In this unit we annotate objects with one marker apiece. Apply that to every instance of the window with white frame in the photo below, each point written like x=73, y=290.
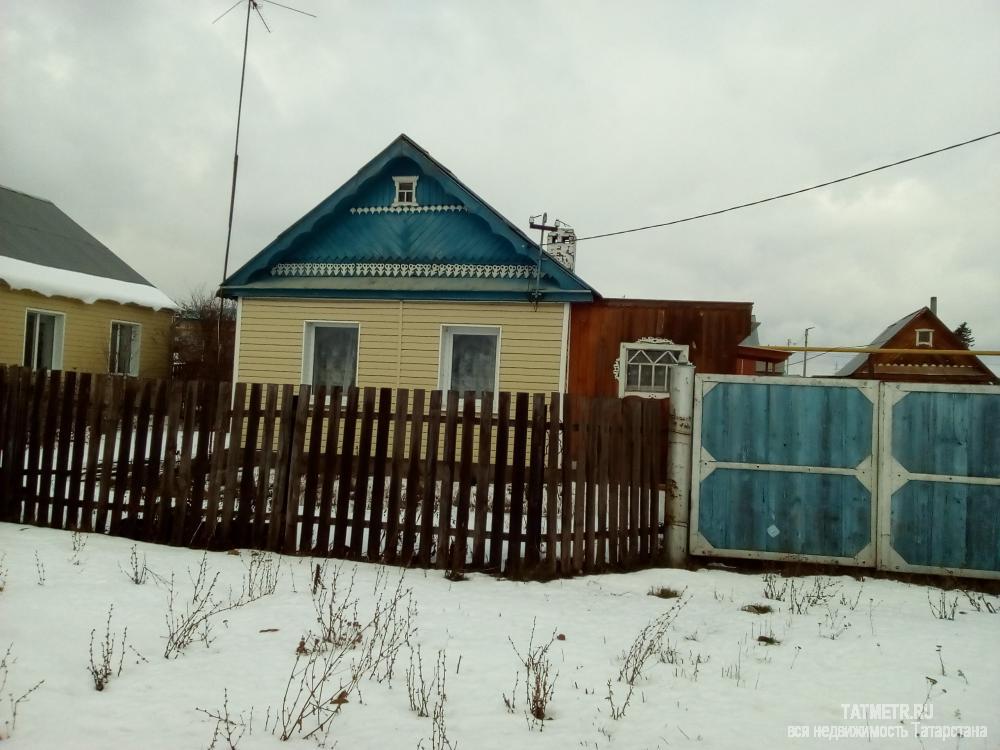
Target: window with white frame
x=124, y=349
x=470, y=358
x=925, y=337
x=406, y=191
x=330, y=354
x=643, y=367
x=43, y=340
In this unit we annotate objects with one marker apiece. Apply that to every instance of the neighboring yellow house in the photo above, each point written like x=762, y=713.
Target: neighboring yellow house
x=404, y=277
x=68, y=303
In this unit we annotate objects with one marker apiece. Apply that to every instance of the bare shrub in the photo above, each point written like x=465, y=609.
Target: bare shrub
x=539, y=678
x=39, y=569
x=802, y=596
x=439, y=731
x=260, y=579
x=3, y=571
x=336, y=608
x=229, y=730
x=417, y=687
x=102, y=669
x=647, y=644
x=834, y=624
x=328, y=669
x=137, y=570
x=194, y=622
x=774, y=588
x=942, y=609
x=977, y=600
x=8, y=718
x=79, y=542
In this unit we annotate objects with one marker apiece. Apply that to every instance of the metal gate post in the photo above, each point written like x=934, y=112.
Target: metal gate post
x=681, y=416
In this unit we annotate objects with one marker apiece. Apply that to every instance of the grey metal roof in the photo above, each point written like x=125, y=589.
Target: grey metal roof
x=855, y=362
x=34, y=230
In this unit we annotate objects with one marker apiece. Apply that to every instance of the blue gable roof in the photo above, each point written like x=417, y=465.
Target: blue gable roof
x=451, y=245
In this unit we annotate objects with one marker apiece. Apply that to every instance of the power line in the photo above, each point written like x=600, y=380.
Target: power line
x=790, y=193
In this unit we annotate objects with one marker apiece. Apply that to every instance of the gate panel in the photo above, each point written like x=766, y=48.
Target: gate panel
x=939, y=462
x=784, y=469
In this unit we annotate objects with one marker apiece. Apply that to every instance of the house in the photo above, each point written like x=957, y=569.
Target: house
x=68, y=303
x=623, y=347
x=404, y=277
x=752, y=359
x=920, y=331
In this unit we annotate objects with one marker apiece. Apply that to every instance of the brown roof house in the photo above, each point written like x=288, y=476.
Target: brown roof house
x=920, y=330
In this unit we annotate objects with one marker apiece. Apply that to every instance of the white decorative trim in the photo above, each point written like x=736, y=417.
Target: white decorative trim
x=405, y=209
x=448, y=270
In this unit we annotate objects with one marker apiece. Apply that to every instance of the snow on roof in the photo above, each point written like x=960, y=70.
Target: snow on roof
x=51, y=282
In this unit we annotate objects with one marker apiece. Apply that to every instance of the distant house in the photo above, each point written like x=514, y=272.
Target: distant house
x=921, y=331
x=752, y=359
x=404, y=277
x=68, y=303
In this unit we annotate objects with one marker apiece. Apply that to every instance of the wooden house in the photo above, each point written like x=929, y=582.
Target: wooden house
x=624, y=347
x=404, y=277
x=921, y=331
x=68, y=303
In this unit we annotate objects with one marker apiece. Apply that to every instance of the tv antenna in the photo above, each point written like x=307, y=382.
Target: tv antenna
x=253, y=6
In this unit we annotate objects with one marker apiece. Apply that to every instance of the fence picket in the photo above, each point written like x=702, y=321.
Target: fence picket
x=296, y=466
x=378, y=473
x=517, y=477
x=183, y=474
x=76, y=467
x=396, y=479
x=112, y=416
x=329, y=471
x=447, y=466
x=350, y=422
x=483, y=479
x=360, y=508
x=62, y=462
x=233, y=455
x=313, y=456
x=265, y=487
x=461, y=543
x=415, y=492
x=217, y=462
x=536, y=485
x=247, y=490
x=159, y=409
x=286, y=427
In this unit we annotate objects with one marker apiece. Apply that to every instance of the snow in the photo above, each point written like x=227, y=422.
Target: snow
x=884, y=651
x=51, y=282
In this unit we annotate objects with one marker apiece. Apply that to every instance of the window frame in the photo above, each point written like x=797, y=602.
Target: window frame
x=308, y=344
x=395, y=198
x=136, y=346
x=59, y=337
x=681, y=351
x=930, y=337
x=448, y=330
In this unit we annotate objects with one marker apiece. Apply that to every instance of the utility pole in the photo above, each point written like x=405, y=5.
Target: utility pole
x=805, y=354
x=543, y=228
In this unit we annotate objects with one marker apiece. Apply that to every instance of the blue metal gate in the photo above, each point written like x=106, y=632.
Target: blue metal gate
x=784, y=469
x=939, y=479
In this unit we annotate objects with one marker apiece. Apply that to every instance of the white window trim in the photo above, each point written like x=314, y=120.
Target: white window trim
x=137, y=347
x=449, y=329
x=307, y=348
x=395, y=196
x=58, y=344
x=930, y=337
x=622, y=365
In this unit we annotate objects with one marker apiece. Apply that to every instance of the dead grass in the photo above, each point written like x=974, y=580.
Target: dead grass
x=757, y=609
x=664, y=592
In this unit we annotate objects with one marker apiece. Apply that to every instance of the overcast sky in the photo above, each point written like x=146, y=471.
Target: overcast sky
x=606, y=115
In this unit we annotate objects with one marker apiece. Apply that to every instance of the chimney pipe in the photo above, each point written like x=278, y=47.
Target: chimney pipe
x=934, y=305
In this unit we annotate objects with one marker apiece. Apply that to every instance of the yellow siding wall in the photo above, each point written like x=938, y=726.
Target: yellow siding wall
x=87, y=331
x=400, y=341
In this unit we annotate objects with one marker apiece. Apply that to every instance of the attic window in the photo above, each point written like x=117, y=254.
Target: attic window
x=925, y=337
x=406, y=191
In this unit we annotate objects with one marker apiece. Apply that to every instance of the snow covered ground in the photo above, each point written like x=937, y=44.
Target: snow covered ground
x=873, y=646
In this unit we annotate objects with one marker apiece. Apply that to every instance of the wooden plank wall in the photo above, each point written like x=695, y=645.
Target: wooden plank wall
x=403, y=477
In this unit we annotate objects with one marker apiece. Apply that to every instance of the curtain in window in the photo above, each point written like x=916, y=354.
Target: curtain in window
x=473, y=362
x=335, y=356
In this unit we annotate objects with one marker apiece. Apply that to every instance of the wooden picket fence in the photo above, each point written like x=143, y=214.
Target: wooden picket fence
x=528, y=485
